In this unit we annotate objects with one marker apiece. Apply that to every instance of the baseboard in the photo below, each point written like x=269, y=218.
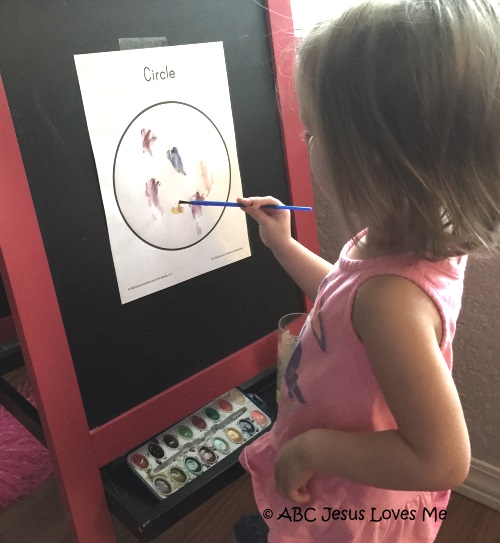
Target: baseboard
x=482, y=484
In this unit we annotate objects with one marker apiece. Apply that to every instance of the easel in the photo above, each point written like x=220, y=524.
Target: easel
x=75, y=449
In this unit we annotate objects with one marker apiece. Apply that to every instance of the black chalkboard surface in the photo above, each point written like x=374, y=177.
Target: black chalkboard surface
x=125, y=354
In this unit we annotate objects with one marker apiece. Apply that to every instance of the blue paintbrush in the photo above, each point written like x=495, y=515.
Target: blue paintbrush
x=235, y=204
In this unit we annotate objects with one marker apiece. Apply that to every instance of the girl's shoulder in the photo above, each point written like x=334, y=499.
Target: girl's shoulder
x=393, y=298
x=357, y=256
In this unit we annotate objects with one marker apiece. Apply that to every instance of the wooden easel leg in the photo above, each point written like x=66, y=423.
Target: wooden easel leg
x=37, y=319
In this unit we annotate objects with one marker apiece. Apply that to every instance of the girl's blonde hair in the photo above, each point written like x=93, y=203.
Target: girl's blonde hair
x=403, y=99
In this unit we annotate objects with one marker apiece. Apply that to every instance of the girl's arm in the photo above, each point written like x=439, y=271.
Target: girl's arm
x=304, y=267
x=401, y=329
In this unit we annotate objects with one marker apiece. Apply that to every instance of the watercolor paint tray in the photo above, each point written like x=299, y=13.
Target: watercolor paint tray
x=144, y=513
x=194, y=445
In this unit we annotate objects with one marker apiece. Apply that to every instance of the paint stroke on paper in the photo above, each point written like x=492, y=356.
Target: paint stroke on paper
x=159, y=135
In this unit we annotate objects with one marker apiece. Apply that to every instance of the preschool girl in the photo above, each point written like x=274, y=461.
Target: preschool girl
x=401, y=105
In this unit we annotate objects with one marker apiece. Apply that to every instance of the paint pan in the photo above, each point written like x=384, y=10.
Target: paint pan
x=178, y=475
x=185, y=432
x=224, y=405
x=212, y=413
x=259, y=418
x=156, y=450
x=171, y=441
x=234, y=435
x=139, y=461
x=193, y=465
x=221, y=445
x=198, y=422
x=207, y=455
x=237, y=396
x=247, y=427
x=162, y=486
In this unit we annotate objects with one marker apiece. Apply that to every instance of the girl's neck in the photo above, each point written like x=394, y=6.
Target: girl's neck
x=367, y=247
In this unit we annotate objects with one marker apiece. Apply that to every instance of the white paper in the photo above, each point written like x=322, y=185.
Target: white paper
x=161, y=129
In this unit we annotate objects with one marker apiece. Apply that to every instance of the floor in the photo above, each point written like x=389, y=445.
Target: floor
x=41, y=519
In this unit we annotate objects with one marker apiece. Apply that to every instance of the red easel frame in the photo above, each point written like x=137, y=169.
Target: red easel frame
x=75, y=449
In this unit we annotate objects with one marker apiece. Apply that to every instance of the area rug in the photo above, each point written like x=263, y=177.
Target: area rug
x=24, y=461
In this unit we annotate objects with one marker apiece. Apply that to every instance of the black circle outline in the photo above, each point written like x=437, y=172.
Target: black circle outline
x=114, y=178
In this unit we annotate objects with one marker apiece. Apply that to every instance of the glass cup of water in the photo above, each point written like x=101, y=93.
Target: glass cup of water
x=289, y=327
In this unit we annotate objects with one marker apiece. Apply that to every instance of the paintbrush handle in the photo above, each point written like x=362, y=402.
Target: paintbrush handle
x=235, y=204
x=211, y=203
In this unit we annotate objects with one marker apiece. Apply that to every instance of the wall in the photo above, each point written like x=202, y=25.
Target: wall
x=477, y=357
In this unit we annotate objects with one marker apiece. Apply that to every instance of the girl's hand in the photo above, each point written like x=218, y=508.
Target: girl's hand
x=291, y=471
x=274, y=224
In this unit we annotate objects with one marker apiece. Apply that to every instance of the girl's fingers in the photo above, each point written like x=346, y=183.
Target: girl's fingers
x=256, y=202
x=302, y=495
x=253, y=208
x=274, y=224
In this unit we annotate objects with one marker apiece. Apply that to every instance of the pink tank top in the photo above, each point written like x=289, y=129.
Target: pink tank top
x=329, y=383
